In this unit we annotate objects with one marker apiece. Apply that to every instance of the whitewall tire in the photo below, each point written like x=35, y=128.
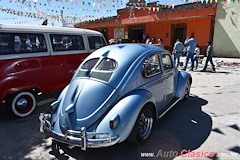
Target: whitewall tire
x=23, y=104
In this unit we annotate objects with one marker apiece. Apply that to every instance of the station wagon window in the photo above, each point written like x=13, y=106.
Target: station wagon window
x=167, y=61
x=90, y=64
x=14, y=43
x=152, y=66
x=96, y=42
x=66, y=42
x=107, y=64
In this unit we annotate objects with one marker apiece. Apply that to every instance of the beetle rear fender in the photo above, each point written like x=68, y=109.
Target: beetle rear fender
x=183, y=77
x=128, y=109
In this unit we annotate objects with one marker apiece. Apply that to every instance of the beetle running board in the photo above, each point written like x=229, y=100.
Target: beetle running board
x=165, y=110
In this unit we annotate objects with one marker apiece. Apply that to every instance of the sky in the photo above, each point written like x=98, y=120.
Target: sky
x=34, y=12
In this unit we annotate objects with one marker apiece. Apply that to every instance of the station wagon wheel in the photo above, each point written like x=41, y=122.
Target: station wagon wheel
x=187, y=90
x=22, y=104
x=143, y=126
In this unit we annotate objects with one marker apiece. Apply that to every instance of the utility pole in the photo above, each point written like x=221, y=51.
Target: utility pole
x=63, y=21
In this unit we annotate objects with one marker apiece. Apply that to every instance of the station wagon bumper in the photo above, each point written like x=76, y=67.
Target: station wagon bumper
x=76, y=138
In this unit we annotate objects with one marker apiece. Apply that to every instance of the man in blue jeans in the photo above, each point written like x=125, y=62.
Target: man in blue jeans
x=177, y=51
x=209, y=56
x=191, y=45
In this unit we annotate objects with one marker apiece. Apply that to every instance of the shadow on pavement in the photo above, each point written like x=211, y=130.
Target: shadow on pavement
x=217, y=72
x=184, y=127
x=19, y=136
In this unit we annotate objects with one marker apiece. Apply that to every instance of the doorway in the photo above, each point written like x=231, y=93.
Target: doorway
x=178, y=31
x=104, y=31
x=136, y=32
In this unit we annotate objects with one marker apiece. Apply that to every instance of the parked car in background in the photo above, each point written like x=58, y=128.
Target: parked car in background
x=39, y=59
x=116, y=94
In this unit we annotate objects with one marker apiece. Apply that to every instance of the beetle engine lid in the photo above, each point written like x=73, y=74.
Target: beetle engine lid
x=86, y=101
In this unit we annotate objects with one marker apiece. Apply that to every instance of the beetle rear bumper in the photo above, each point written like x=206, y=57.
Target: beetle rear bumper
x=77, y=138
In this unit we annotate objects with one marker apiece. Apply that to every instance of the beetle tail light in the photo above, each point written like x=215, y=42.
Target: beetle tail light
x=54, y=106
x=113, y=123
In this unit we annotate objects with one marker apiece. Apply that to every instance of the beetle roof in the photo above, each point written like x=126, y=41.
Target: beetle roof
x=127, y=56
x=124, y=52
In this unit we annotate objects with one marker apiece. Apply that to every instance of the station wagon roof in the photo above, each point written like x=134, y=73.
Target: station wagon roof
x=45, y=29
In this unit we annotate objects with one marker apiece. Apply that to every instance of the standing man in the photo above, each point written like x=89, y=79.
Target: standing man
x=147, y=39
x=209, y=56
x=177, y=51
x=191, y=45
x=160, y=43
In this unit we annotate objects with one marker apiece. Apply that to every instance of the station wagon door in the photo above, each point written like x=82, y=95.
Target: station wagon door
x=169, y=72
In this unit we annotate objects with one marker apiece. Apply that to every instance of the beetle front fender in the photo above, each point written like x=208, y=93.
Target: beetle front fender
x=183, y=77
x=128, y=109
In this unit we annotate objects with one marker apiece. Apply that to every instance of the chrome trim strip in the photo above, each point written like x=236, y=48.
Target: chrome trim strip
x=169, y=108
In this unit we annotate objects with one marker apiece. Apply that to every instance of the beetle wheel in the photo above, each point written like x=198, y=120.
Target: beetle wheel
x=143, y=126
x=22, y=104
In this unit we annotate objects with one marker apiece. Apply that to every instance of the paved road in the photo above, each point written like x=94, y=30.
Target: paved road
x=208, y=122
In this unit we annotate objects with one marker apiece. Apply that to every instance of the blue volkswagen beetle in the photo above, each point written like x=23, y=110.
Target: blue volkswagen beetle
x=116, y=94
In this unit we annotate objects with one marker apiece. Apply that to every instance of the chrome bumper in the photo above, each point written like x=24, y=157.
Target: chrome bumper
x=70, y=136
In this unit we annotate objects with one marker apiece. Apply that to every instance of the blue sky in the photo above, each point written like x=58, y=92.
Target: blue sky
x=24, y=11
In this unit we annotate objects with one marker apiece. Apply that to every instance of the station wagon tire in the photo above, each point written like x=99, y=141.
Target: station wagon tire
x=143, y=126
x=22, y=104
x=187, y=90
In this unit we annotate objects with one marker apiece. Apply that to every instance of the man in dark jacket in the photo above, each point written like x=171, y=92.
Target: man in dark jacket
x=209, y=56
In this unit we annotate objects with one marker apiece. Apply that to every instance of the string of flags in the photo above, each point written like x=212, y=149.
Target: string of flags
x=55, y=11
x=60, y=11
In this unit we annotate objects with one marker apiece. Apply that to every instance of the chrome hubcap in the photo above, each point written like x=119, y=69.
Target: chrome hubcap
x=22, y=103
x=145, y=124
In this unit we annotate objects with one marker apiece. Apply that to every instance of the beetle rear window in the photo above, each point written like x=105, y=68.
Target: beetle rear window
x=90, y=63
x=107, y=64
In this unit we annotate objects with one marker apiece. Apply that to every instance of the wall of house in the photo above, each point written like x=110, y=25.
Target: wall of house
x=226, y=42
x=159, y=24
x=199, y=26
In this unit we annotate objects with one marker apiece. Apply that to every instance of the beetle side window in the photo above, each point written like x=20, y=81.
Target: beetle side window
x=152, y=66
x=90, y=64
x=66, y=42
x=167, y=61
x=107, y=64
x=96, y=42
x=14, y=43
